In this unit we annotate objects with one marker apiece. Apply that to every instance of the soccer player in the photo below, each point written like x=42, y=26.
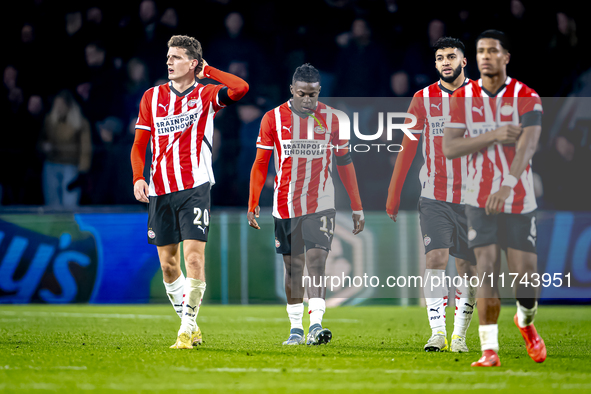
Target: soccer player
x=303, y=139
x=497, y=122
x=441, y=205
x=178, y=116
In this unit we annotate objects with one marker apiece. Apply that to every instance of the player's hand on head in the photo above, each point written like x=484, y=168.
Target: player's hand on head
x=141, y=191
x=251, y=218
x=358, y=222
x=496, y=201
x=201, y=73
x=508, y=134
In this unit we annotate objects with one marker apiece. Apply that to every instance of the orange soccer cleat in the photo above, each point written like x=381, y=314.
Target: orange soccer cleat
x=489, y=358
x=536, y=348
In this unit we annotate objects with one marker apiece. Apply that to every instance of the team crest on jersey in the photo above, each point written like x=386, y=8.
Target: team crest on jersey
x=151, y=234
x=319, y=130
x=427, y=240
x=192, y=102
x=506, y=109
x=277, y=243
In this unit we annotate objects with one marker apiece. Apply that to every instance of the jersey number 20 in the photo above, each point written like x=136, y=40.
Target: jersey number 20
x=199, y=214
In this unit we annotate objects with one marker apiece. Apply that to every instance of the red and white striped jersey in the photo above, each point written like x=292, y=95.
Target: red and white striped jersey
x=441, y=179
x=478, y=111
x=303, y=159
x=181, y=128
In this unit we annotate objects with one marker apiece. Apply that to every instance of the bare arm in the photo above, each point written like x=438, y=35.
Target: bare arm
x=525, y=149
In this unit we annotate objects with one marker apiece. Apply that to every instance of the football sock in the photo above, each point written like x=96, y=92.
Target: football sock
x=489, y=337
x=465, y=304
x=525, y=316
x=295, y=312
x=194, y=289
x=174, y=291
x=436, y=300
x=316, y=308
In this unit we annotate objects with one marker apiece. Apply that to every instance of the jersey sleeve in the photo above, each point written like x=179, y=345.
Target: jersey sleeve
x=457, y=110
x=144, y=119
x=214, y=96
x=529, y=101
x=417, y=108
x=529, y=107
x=265, y=139
x=233, y=87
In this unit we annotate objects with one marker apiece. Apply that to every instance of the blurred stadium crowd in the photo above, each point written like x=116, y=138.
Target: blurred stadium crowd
x=74, y=74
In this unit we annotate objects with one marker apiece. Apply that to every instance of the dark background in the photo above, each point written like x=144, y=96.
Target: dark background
x=106, y=54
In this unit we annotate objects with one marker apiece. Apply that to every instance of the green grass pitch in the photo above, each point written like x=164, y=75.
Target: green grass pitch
x=374, y=349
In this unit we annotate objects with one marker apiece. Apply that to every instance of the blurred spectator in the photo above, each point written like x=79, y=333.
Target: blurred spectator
x=250, y=116
x=167, y=27
x=22, y=118
x=400, y=84
x=361, y=66
x=110, y=176
x=32, y=192
x=564, y=45
x=148, y=17
x=27, y=61
x=419, y=59
x=94, y=29
x=564, y=169
x=73, y=23
x=137, y=83
x=66, y=143
x=239, y=55
x=102, y=89
x=436, y=31
x=226, y=147
x=149, y=45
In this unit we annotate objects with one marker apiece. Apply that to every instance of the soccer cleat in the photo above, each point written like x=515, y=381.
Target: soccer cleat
x=183, y=342
x=489, y=358
x=458, y=344
x=437, y=343
x=318, y=335
x=296, y=337
x=196, y=337
x=536, y=348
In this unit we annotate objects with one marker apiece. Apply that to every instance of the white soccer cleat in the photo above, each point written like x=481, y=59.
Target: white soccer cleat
x=295, y=339
x=437, y=343
x=458, y=344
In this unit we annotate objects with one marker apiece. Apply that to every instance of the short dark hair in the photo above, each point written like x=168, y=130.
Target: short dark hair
x=449, y=42
x=497, y=35
x=191, y=46
x=306, y=73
